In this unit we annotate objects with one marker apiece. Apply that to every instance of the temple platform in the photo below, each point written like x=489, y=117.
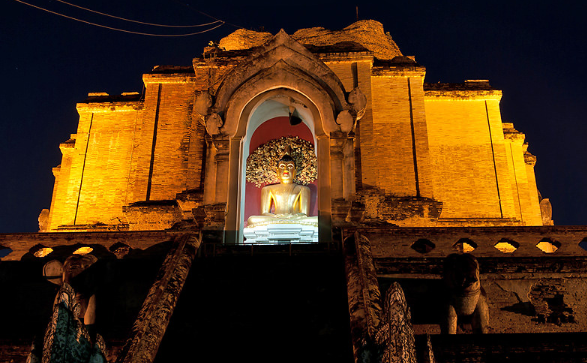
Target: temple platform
x=281, y=233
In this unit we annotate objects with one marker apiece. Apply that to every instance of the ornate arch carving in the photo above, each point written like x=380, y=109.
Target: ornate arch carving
x=280, y=76
x=292, y=57
x=281, y=67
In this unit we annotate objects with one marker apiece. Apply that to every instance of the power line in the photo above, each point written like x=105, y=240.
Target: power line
x=117, y=29
x=136, y=21
x=208, y=15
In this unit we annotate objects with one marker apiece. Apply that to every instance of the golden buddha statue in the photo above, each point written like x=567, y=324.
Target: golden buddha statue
x=291, y=201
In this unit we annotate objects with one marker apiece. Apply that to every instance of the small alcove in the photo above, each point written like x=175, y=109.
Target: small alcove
x=548, y=245
x=506, y=245
x=465, y=245
x=423, y=246
x=277, y=114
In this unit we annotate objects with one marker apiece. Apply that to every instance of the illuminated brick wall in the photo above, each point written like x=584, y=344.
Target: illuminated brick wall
x=92, y=182
x=179, y=141
x=478, y=173
x=443, y=142
x=390, y=162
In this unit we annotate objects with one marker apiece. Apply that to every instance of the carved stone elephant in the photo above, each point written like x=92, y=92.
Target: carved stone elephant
x=465, y=297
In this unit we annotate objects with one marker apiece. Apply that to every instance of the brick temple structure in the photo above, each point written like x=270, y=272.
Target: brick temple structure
x=407, y=174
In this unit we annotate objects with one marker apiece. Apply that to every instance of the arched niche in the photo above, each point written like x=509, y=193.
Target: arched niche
x=281, y=69
x=264, y=127
x=267, y=107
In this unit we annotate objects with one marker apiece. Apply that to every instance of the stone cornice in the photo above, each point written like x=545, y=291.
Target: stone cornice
x=345, y=57
x=399, y=71
x=106, y=106
x=463, y=95
x=514, y=135
x=163, y=78
x=69, y=144
x=529, y=159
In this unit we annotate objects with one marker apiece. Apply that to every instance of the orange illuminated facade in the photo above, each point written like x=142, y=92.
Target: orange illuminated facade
x=147, y=161
x=421, y=198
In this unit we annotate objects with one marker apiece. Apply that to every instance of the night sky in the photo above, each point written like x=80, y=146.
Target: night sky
x=534, y=51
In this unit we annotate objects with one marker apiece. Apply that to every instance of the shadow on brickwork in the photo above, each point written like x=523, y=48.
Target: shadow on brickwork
x=261, y=309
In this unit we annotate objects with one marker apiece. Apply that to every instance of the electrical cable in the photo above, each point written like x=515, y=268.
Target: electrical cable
x=136, y=21
x=208, y=15
x=117, y=29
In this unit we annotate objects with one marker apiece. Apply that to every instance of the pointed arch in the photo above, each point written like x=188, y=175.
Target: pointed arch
x=281, y=68
x=282, y=53
x=281, y=76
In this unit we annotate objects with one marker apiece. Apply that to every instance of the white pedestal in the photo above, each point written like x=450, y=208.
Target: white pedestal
x=281, y=233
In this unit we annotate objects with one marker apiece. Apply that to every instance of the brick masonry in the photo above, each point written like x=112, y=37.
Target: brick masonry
x=445, y=142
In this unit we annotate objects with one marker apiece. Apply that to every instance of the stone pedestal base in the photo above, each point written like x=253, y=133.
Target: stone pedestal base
x=281, y=233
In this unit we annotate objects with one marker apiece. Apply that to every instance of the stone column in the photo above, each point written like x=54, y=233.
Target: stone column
x=343, y=174
x=222, y=166
x=210, y=172
x=337, y=142
x=348, y=158
x=232, y=181
x=324, y=196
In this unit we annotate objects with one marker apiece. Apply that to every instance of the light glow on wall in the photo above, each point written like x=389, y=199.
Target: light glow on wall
x=547, y=247
x=467, y=248
x=83, y=251
x=42, y=252
x=505, y=247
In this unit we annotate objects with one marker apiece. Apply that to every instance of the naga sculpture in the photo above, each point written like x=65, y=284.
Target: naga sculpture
x=71, y=335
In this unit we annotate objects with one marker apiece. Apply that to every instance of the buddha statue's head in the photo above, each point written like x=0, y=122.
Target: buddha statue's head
x=286, y=169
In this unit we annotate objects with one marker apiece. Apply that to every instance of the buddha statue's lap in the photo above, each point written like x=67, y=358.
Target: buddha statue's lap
x=291, y=201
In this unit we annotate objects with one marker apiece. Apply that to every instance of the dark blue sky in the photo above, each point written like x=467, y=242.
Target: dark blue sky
x=533, y=51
